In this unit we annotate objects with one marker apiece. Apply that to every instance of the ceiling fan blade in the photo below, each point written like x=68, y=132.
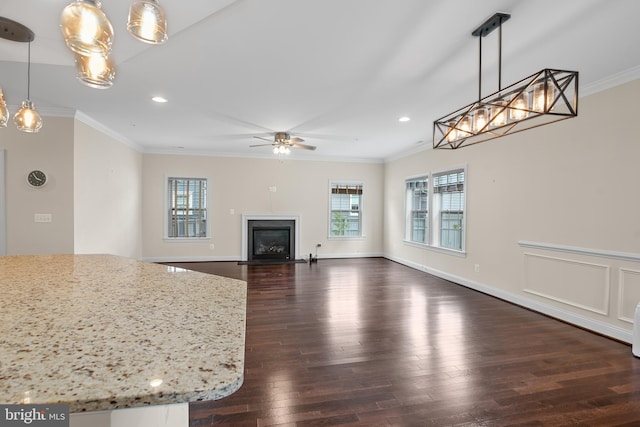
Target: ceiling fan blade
x=295, y=140
x=265, y=139
x=303, y=146
x=260, y=145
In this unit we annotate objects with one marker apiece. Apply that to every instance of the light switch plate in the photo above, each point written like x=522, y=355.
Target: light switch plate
x=42, y=218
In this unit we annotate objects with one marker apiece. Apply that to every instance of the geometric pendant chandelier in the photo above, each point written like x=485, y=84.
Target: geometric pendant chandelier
x=542, y=98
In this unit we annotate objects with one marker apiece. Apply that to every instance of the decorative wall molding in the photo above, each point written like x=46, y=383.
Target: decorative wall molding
x=625, y=256
x=547, y=276
x=628, y=290
x=529, y=303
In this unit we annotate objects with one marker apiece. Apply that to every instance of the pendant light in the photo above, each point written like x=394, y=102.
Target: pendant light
x=545, y=97
x=89, y=34
x=27, y=118
x=86, y=29
x=4, y=112
x=95, y=71
x=147, y=22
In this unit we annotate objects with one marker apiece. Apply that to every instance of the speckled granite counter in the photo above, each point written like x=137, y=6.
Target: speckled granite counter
x=101, y=332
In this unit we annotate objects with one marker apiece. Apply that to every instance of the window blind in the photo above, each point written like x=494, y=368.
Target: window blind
x=187, y=207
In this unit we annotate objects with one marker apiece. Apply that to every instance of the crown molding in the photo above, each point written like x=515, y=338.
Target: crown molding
x=268, y=156
x=47, y=111
x=89, y=121
x=611, y=81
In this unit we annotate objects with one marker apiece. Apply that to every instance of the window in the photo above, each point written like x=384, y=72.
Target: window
x=346, y=210
x=448, y=207
x=417, y=209
x=434, y=209
x=187, y=207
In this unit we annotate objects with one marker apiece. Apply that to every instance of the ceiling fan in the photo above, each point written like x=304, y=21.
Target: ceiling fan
x=283, y=143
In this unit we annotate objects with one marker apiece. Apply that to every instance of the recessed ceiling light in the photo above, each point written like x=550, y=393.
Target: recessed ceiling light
x=159, y=99
x=404, y=119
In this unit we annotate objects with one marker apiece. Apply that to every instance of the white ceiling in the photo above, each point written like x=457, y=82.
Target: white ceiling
x=338, y=73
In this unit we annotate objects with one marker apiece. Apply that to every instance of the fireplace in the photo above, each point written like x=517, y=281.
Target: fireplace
x=270, y=238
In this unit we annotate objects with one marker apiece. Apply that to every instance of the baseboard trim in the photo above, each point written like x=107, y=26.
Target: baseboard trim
x=239, y=258
x=548, y=310
x=191, y=258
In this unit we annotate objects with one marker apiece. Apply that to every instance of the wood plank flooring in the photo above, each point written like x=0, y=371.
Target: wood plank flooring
x=369, y=342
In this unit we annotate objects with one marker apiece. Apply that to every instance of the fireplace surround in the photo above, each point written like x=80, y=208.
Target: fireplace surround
x=270, y=237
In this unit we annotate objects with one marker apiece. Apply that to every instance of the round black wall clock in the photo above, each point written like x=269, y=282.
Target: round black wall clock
x=37, y=178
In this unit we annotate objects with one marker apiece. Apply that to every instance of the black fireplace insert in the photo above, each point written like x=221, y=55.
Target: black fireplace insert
x=271, y=240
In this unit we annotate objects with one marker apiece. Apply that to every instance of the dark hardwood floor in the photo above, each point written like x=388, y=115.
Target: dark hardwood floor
x=369, y=342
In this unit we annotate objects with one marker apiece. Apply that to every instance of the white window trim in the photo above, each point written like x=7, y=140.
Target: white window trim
x=362, y=235
x=404, y=237
x=165, y=221
x=430, y=246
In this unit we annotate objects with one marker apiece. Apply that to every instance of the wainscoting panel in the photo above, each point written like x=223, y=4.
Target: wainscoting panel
x=579, y=284
x=628, y=293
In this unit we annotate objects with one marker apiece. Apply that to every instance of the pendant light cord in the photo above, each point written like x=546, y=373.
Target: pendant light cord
x=500, y=56
x=480, y=70
x=29, y=73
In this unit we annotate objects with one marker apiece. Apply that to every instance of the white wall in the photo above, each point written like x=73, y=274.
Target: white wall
x=243, y=186
x=572, y=184
x=107, y=194
x=50, y=150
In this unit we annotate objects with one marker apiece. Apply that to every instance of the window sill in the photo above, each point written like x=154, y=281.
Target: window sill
x=454, y=252
x=346, y=237
x=186, y=239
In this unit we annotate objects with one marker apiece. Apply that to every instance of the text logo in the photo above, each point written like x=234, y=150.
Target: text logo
x=34, y=415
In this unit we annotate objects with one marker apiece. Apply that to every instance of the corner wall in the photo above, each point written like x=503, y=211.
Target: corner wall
x=51, y=151
x=107, y=194
x=552, y=215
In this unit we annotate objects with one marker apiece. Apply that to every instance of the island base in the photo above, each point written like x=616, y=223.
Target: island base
x=174, y=415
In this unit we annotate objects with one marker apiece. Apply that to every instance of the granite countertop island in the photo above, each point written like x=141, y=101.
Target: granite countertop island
x=101, y=332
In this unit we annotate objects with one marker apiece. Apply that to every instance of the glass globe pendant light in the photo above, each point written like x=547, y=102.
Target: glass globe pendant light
x=86, y=29
x=27, y=118
x=95, y=71
x=4, y=112
x=147, y=22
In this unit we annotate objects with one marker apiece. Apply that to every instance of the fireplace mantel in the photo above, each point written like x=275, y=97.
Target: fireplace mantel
x=246, y=217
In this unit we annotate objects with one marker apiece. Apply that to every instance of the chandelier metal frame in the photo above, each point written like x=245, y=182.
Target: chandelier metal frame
x=545, y=97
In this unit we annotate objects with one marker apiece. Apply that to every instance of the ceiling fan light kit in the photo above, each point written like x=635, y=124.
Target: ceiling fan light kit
x=281, y=149
x=542, y=98
x=283, y=143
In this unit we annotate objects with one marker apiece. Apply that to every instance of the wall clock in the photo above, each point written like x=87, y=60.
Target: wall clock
x=37, y=178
